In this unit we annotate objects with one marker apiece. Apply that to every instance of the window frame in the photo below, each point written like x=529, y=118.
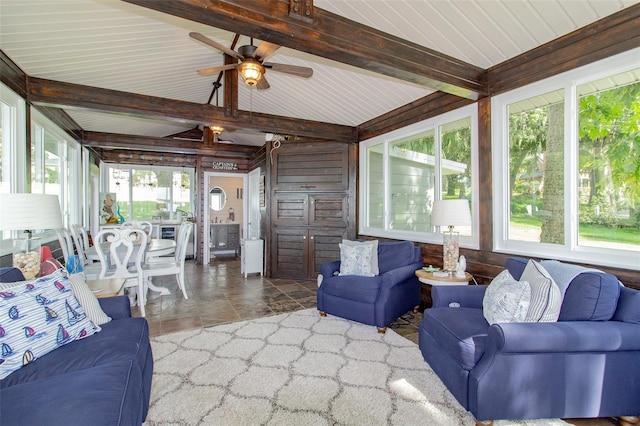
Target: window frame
x=387, y=139
x=568, y=82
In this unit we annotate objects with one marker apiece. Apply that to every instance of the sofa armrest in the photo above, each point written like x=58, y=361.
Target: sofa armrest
x=117, y=307
x=401, y=274
x=565, y=336
x=467, y=296
x=328, y=269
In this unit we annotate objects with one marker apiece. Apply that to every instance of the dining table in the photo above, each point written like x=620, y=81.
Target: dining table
x=155, y=248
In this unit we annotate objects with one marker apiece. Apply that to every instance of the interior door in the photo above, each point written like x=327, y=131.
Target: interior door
x=253, y=204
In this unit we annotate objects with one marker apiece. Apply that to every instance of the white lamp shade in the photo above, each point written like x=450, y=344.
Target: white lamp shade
x=451, y=213
x=26, y=212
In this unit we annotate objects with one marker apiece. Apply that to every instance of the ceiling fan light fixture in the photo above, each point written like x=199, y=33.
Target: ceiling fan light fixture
x=216, y=129
x=251, y=71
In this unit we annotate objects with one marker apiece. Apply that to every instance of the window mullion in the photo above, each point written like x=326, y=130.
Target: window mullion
x=571, y=156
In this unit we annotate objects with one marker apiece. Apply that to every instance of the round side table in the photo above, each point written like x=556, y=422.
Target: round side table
x=428, y=280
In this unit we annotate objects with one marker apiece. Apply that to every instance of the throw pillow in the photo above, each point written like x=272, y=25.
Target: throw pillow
x=88, y=300
x=546, y=299
x=49, y=266
x=374, y=259
x=356, y=260
x=506, y=299
x=36, y=317
x=628, y=306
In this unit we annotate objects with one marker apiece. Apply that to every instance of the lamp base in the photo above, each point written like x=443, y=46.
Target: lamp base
x=26, y=256
x=450, y=250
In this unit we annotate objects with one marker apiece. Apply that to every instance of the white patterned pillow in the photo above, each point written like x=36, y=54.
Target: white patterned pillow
x=506, y=299
x=546, y=298
x=374, y=258
x=356, y=260
x=37, y=317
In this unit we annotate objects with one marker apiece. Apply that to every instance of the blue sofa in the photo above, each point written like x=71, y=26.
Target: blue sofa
x=104, y=379
x=585, y=365
x=377, y=300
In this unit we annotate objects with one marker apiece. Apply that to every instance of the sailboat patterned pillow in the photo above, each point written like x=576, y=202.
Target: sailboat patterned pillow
x=37, y=317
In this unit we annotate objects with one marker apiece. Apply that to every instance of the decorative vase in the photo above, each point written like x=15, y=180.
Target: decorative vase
x=450, y=250
x=26, y=256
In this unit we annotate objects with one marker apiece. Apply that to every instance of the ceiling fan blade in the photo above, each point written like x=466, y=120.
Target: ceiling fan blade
x=206, y=40
x=213, y=70
x=265, y=49
x=290, y=69
x=263, y=84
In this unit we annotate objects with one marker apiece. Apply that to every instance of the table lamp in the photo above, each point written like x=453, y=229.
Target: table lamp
x=27, y=212
x=450, y=213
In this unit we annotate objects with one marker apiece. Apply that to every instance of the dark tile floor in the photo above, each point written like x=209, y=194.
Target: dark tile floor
x=219, y=293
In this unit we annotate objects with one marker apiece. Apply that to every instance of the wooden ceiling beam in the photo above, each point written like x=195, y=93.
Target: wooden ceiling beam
x=167, y=145
x=74, y=96
x=333, y=37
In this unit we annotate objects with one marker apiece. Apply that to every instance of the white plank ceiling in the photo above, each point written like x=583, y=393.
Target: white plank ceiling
x=115, y=45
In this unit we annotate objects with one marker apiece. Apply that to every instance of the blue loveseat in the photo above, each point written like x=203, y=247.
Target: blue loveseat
x=585, y=365
x=377, y=300
x=103, y=379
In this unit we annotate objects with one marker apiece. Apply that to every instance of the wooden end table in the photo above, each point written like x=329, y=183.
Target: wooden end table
x=107, y=287
x=428, y=280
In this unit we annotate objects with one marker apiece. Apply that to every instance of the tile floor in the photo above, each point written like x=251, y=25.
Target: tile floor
x=219, y=293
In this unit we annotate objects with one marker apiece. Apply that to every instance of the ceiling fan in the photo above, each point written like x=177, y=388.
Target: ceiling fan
x=252, y=66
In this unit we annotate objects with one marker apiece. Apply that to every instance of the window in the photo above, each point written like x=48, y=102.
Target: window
x=56, y=167
x=566, y=157
x=402, y=172
x=144, y=192
x=12, y=140
x=12, y=151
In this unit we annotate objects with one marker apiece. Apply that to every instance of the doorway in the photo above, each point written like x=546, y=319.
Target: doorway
x=224, y=220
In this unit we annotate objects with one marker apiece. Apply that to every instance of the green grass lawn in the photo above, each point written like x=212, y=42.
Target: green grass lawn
x=589, y=232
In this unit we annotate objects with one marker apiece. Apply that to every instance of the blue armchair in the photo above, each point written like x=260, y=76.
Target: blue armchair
x=377, y=300
x=584, y=365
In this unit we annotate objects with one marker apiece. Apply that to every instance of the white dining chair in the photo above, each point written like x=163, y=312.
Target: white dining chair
x=66, y=243
x=145, y=225
x=160, y=266
x=81, y=240
x=122, y=257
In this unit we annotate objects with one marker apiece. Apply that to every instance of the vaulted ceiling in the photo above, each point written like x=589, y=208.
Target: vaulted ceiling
x=129, y=67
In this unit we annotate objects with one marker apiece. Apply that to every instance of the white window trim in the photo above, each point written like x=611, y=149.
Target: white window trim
x=570, y=251
x=471, y=242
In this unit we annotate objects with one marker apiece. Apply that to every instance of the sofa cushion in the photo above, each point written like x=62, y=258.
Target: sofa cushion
x=462, y=332
x=119, y=340
x=107, y=395
x=353, y=287
x=392, y=255
x=38, y=317
x=591, y=296
x=374, y=258
x=506, y=299
x=357, y=259
x=545, y=294
x=628, y=309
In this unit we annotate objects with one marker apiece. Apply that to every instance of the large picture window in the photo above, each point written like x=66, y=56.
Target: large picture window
x=144, y=192
x=404, y=171
x=56, y=167
x=567, y=166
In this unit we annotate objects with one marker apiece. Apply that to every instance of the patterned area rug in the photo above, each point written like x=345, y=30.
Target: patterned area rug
x=298, y=369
